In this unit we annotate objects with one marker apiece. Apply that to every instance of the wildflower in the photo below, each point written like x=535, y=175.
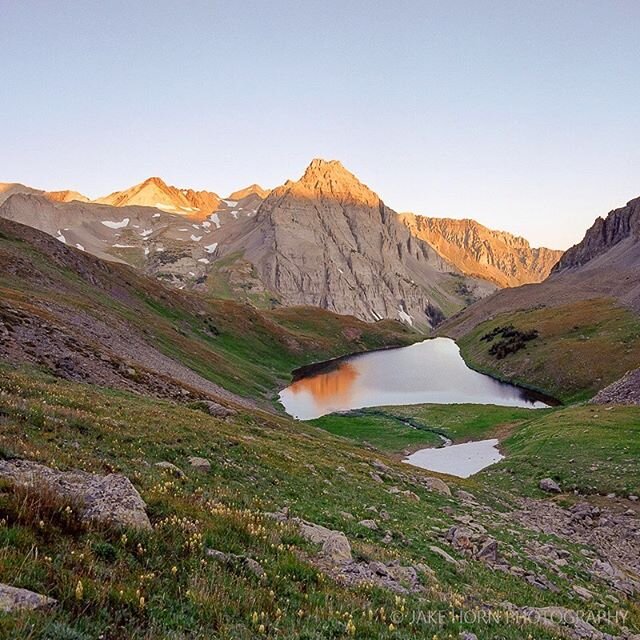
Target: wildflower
x=261, y=629
x=254, y=617
x=79, y=590
x=392, y=627
x=142, y=602
x=351, y=627
x=174, y=569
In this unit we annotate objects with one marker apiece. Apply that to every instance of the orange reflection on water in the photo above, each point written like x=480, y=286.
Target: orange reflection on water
x=331, y=388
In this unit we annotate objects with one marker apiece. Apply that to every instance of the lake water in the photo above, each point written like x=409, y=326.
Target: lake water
x=431, y=371
x=462, y=460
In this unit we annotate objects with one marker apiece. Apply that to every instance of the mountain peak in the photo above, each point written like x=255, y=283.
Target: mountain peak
x=252, y=189
x=331, y=178
x=155, y=181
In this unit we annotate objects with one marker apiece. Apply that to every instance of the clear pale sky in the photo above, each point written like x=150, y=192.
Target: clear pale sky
x=524, y=115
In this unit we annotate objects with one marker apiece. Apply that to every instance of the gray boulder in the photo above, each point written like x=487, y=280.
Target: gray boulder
x=172, y=469
x=199, y=464
x=14, y=599
x=437, y=485
x=218, y=410
x=337, y=548
x=110, y=499
x=549, y=485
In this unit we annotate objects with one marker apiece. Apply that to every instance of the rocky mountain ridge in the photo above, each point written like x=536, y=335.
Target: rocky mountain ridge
x=498, y=256
x=620, y=226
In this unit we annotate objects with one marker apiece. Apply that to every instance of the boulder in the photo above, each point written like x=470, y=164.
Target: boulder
x=437, y=485
x=218, y=410
x=110, y=499
x=14, y=599
x=337, y=548
x=315, y=533
x=488, y=551
x=172, y=469
x=549, y=485
x=200, y=464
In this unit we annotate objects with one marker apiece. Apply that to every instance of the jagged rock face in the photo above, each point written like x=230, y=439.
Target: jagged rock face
x=155, y=193
x=620, y=225
x=328, y=240
x=500, y=257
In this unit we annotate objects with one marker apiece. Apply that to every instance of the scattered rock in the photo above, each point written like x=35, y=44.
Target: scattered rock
x=410, y=495
x=172, y=469
x=381, y=466
x=15, y=599
x=244, y=562
x=200, y=464
x=585, y=594
x=369, y=524
x=444, y=555
x=467, y=635
x=110, y=499
x=376, y=478
x=549, y=485
x=345, y=515
x=465, y=496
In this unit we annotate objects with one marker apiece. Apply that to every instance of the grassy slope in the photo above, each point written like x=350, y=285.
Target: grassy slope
x=582, y=348
x=259, y=463
x=250, y=352
x=594, y=449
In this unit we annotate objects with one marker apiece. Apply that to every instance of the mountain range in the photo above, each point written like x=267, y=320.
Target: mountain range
x=325, y=240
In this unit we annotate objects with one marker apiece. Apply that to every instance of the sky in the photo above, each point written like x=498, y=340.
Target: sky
x=524, y=115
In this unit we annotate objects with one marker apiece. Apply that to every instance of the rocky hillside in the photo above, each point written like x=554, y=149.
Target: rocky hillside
x=330, y=241
x=498, y=256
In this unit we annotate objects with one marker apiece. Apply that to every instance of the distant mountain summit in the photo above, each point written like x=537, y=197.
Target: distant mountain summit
x=498, y=256
x=154, y=192
x=251, y=190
